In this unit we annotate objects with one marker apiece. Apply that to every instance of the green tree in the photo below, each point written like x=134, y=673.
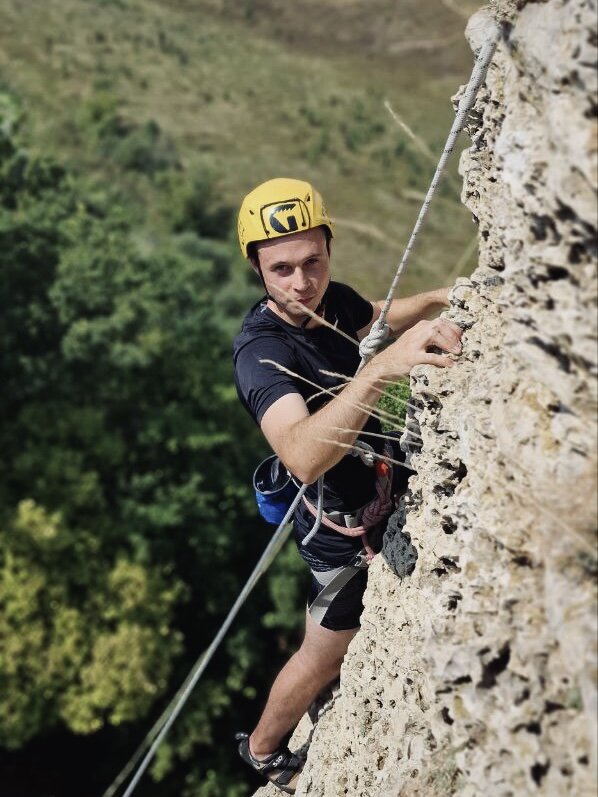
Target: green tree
x=127, y=520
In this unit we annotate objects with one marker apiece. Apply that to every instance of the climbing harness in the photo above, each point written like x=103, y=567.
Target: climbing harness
x=273, y=226
x=357, y=523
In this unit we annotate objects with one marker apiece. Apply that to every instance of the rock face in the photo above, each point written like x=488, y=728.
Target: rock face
x=476, y=673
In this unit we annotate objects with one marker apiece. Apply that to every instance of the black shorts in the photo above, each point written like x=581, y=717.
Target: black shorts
x=345, y=610
x=329, y=550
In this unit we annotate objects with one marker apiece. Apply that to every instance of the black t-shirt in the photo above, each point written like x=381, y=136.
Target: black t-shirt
x=308, y=353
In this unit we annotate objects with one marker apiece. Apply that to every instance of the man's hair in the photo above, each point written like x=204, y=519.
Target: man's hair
x=252, y=249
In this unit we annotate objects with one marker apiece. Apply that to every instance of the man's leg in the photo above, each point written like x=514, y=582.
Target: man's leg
x=315, y=664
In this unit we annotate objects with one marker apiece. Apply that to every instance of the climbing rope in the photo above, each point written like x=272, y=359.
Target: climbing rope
x=174, y=709
x=367, y=349
x=379, y=331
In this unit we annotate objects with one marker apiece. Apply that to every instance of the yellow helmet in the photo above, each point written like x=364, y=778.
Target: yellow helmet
x=280, y=207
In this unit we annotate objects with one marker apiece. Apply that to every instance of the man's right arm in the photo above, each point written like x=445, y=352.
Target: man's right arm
x=309, y=445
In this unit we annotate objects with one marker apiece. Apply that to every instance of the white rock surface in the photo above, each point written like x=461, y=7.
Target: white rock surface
x=476, y=674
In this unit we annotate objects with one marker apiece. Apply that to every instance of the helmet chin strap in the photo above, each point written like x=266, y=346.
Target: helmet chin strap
x=263, y=281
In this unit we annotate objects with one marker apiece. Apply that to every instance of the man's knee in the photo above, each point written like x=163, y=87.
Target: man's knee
x=322, y=662
x=324, y=648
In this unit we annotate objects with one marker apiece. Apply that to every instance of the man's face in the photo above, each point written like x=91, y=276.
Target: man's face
x=296, y=271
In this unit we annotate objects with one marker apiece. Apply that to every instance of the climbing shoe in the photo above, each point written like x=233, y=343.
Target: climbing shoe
x=282, y=768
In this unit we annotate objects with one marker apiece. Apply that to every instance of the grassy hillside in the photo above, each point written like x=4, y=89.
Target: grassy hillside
x=235, y=92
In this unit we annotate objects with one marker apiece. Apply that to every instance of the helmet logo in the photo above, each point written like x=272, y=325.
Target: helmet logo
x=281, y=218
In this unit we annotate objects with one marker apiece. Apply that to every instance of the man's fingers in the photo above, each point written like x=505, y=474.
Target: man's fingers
x=446, y=336
x=438, y=360
x=447, y=340
x=451, y=325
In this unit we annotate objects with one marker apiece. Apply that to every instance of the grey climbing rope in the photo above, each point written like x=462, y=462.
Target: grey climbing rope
x=174, y=709
x=379, y=331
x=319, y=514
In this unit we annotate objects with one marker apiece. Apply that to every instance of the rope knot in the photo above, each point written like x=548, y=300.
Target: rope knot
x=381, y=507
x=373, y=340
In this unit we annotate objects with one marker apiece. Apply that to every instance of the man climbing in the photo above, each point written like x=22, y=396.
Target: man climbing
x=295, y=361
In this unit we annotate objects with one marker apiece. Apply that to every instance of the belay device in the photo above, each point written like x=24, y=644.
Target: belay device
x=274, y=489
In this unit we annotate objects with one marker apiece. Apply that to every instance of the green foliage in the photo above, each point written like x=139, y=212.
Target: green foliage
x=125, y=496
x=84, y=661
x=210, y=784
x=194, y=205
x=136, y=147
x=287, y=585
x=359, y=129
x=394, y=401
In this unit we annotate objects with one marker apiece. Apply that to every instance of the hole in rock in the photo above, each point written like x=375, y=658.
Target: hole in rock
x=553, y=351
x=592, y=111
x=448, y=525
x=462, y=679
x=522, y=561
x=494, y=667
x=453, y=602
x=446, y=716
x=557, y=272
x=542, y=227
x=538, y=771
x=576, y=253
x=565, y=212
x=450, y=564
x=522, y=697
x=531, y=727
x=461, y=471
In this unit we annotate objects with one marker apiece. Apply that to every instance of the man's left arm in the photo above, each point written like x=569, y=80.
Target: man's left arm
x=406, y=312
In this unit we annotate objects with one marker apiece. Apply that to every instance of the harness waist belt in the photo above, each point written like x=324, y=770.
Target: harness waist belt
x=348, y=519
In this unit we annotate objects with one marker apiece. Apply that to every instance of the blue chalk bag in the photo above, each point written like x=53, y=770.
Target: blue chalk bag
x=274, y=489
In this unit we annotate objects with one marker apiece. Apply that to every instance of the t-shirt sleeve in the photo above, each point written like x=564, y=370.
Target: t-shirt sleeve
x=359, y=310
x=259, y=384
